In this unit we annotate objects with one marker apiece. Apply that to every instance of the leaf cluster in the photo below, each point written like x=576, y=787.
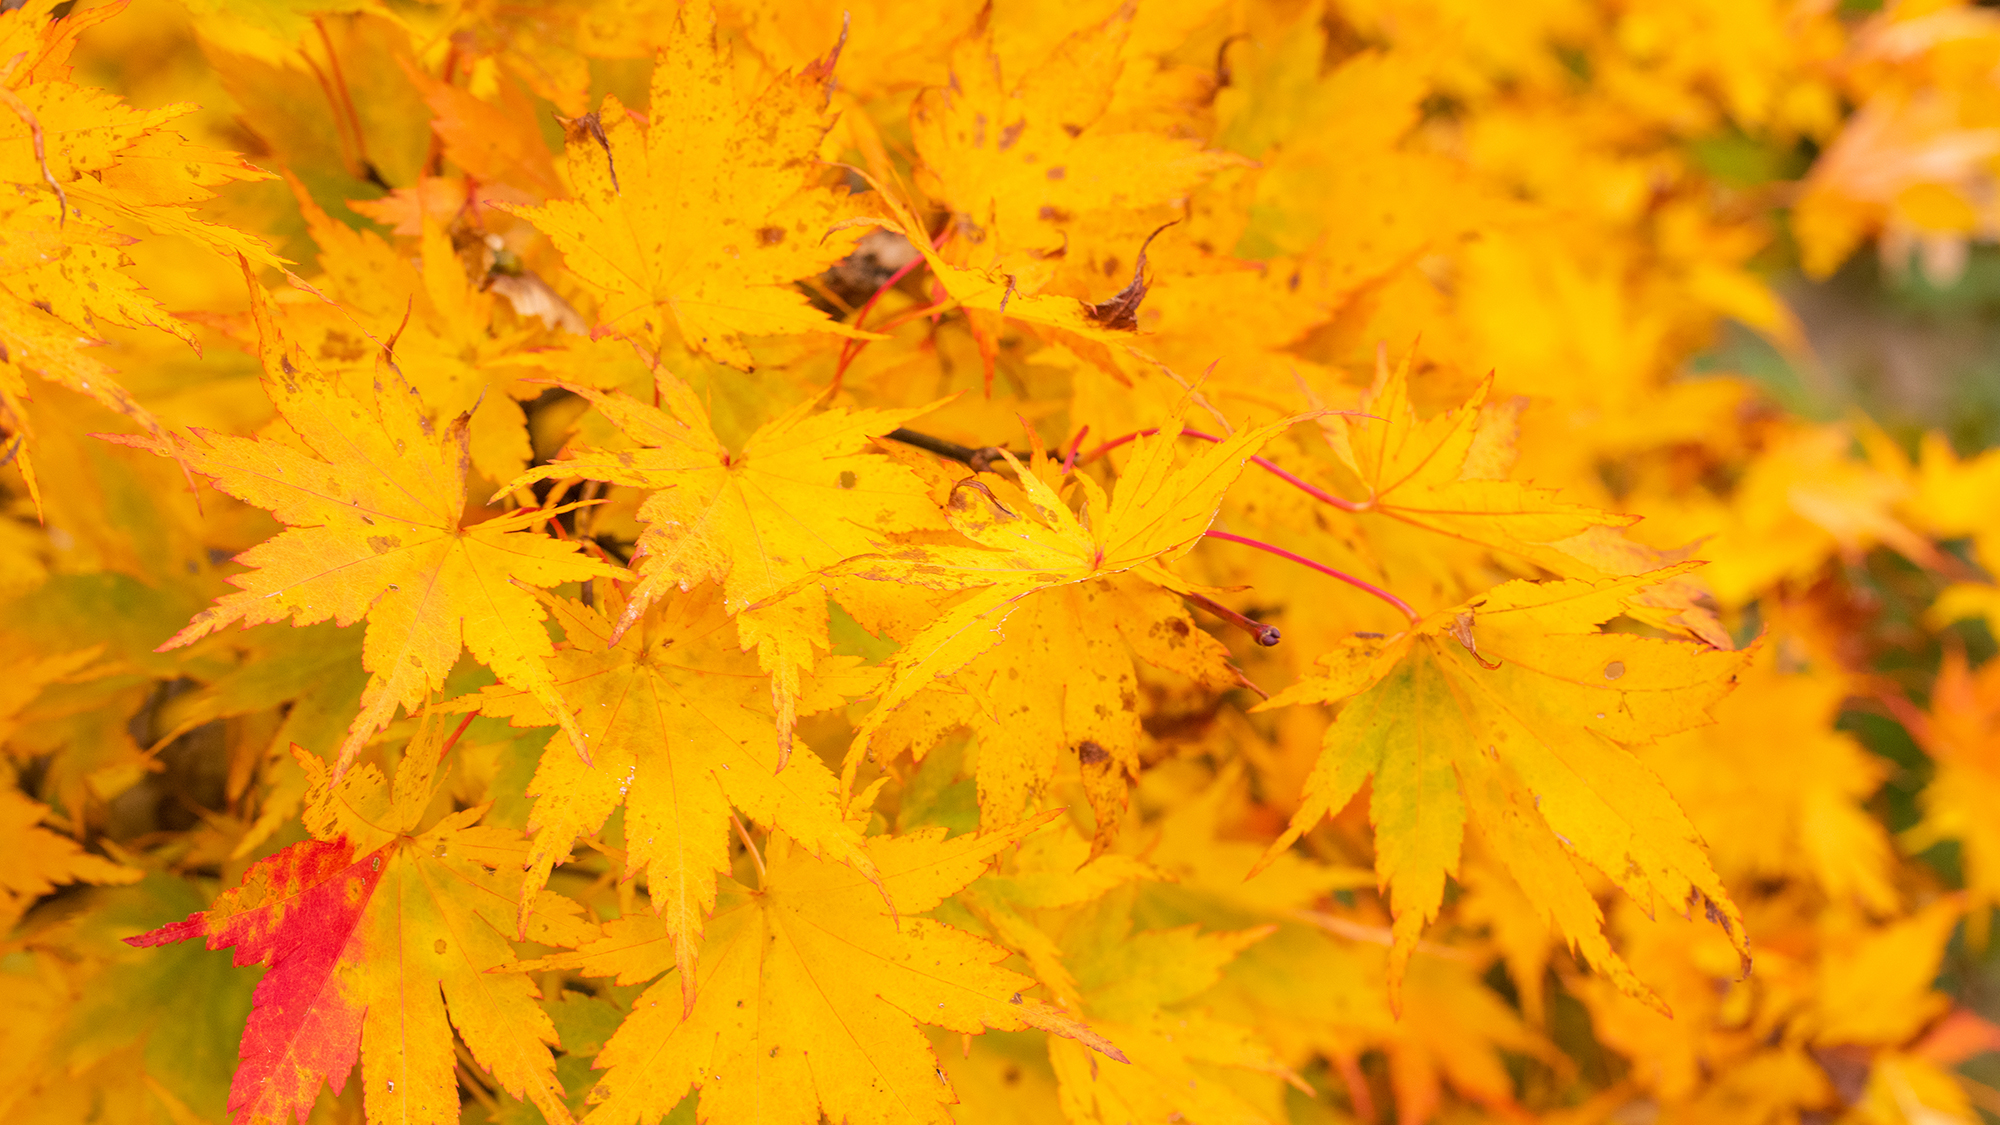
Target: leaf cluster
x=745, y=562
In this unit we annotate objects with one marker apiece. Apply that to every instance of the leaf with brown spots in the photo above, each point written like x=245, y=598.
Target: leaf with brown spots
x=700, y=216
x=678, y=720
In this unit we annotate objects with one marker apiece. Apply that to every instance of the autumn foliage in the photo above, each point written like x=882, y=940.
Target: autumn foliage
x=1179, y=561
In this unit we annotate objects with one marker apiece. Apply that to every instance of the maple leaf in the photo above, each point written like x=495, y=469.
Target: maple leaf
x=679, y=721
x=1877, y=984
x=1797, y=812
x=374, y=931
x=1025, y=729
x=65, y=147
x=30, y=677
x=718, y=250
x=375, y=502
x=1141, y=990
x=994, y=290
x=806, y=491
x=1034, y=162
x=1048, y=870
x=1803, y=499
x=1453, y=1029
x=1962, y=735
x=39, y=858
x=1042, y=581
x=1508, y=711
x=1447, y=474
x=811, y=992
x=438, y=325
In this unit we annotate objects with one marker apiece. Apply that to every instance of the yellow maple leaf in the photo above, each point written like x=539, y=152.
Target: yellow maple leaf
x=1804, y=498
x=374, y=497
x=1511, y=712
x=1094, y=630
x=678, y=722
x=29, y=676
x=1049, y=870
x=812, y=993
x=707, y=214
x=996, y=290
x=1875, y=984
x=440, y=324
x=1452, y=1030
x=38, y=859
x=1447, y=474
x=1032, y=164
x=81, y=160
x=1143, y=990
x=1450, y=476
x=1053, y=590
x=806, y=491
x=1773, y=815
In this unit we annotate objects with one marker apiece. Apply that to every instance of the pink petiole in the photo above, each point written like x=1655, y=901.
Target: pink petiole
x=1368, y=587
x=851, y=348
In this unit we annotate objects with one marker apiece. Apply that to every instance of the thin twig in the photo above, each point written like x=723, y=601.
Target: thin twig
x=851, y=348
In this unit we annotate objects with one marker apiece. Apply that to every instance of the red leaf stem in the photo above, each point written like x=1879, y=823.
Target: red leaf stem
x=1357, y=583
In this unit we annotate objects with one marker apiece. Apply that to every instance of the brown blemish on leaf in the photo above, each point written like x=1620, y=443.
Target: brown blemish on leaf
x=957, y=503
x=1460, y=630
x=589, y=125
